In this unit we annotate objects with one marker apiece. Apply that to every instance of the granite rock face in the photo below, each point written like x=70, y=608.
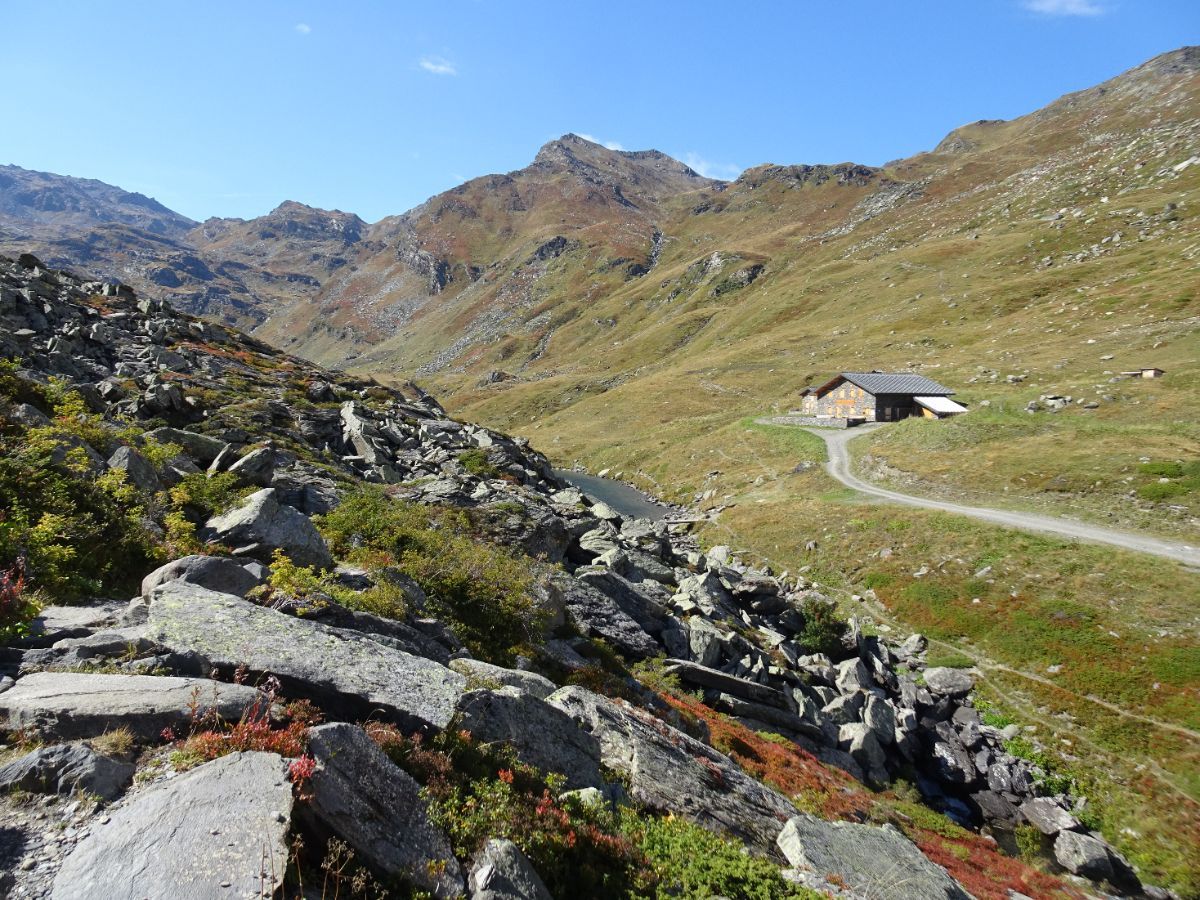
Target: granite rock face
x=157, y=846
x=325, y=663
x=671, y=772
x=542, y=735
x=76, y=705
x=64, y=769
x=362, y=797
x=877, y=862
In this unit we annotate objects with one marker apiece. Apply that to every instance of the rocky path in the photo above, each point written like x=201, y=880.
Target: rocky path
x=836, y=441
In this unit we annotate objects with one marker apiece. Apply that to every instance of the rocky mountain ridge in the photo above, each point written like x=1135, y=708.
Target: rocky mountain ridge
x=201, y=671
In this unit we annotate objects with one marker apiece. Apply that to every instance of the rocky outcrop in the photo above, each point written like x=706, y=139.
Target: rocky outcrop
x=262, y=525
x=77, y=705
x=359, y=795
x=64, y=769
x=157, y=846
x=877, y=862
x=674, y=773
x=541, y=735
x=314, y=660
x=501, y=872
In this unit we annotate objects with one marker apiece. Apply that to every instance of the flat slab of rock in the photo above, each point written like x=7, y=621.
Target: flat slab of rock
x=670, y=771
x=1046, y=814
x=949, y=682
x=217, y=573
x=694, y=673
x=530, y=682
x=880, y=863
x=543, y=736
x=261, y=525
x=55, y=623
x=215, y=832
x=64, y=769
x=74, y=705
x=313, y=660
x=375, y=806
x=501, y=872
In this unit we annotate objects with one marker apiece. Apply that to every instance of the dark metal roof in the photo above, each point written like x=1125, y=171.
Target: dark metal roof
x=894, y=383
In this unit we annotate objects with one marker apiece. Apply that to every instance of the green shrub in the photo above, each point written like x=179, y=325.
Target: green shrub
x=823, y=628
x=690, y=862
x=72, y=532
x=1029, y=842
x=1158, y=491
x=876, y=580
x=200, y=495
x=477, y=463
x=482, y=591
x=1162, y=469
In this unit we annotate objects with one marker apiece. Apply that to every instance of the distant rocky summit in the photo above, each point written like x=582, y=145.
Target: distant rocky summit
x=378, y=649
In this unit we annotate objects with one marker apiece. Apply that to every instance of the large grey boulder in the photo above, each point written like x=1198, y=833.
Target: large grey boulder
x=670, y=771
x=486, y=674
x=542, y=736
x=327, y=664
x=596, y=614
x=200, y=447
x=880, y=863
x=1082, y=854
x=707, y=644
x=948, y=682
x=362, y=797
x=217, y=573
x=138, y=470
x=261, y=525
x=75, y=705
x=500, y=871
x=256, y=467
x=645, y=603
x=215, y=832
x=64, y=769
x=1048, y=816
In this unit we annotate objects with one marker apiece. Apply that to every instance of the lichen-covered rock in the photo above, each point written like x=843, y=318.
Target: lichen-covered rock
x=669, y=771
x=948, y=682
x=362, y=797
x=880, y=863
x=75, y=705
x=261, y=525
x=215, y=832
x=486, y=674
x=542, y=736
x=596, y=614
x=311, y=659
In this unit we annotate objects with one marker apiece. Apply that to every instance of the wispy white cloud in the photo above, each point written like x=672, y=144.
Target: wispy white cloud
x=303, y=28
x=1065, y=7
x=611, y=145
x=710, y=169
x=437, y=65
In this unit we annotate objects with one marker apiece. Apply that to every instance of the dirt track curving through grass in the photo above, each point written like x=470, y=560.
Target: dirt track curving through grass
x=836, y=441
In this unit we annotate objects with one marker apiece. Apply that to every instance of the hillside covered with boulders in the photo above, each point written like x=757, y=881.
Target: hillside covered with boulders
x=375, y=651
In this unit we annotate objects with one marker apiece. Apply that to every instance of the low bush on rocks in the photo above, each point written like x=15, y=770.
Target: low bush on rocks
x=73, y=531
x=477, y=463
x=481, y=590
x=17, y=605
x=580, y=849
x=829, y=793
x=823, y=628
x=211, y=737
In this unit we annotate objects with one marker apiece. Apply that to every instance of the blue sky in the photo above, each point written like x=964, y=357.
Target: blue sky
x=221, y=108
